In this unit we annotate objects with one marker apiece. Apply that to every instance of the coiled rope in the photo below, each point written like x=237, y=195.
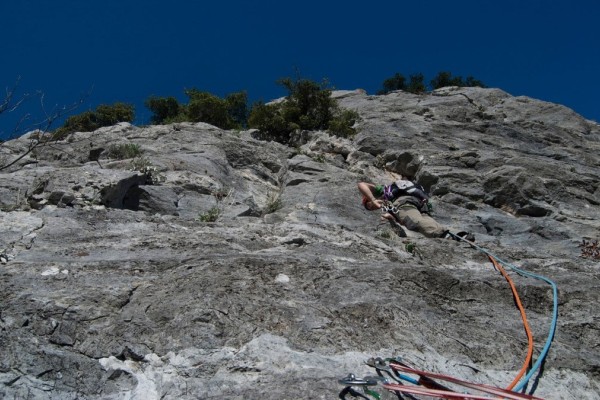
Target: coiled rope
x=446, y=394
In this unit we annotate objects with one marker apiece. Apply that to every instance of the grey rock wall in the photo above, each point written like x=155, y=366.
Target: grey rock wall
x=246, y=269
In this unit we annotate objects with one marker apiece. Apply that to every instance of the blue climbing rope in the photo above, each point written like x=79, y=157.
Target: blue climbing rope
x=552, y=329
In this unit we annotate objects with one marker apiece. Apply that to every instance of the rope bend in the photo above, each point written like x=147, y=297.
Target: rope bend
x=552, y=329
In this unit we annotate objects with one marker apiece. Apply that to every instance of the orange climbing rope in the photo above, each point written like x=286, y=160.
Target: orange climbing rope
x=427, y=383
x=527, y=362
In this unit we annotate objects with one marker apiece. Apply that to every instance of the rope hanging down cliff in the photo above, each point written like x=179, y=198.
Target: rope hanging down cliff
x=425, y=384
x=552, y=329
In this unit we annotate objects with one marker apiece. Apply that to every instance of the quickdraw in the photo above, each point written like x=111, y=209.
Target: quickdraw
x=425, y=383
x=388, y=207
x=395, y=369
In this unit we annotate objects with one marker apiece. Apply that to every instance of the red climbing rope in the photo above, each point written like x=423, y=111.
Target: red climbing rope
x=427, y=386
x=440, y=391
x=448, y=394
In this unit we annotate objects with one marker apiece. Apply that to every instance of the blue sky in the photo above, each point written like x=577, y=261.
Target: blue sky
x=128, y=50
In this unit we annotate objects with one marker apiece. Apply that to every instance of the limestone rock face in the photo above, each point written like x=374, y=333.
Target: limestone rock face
x=216, y=265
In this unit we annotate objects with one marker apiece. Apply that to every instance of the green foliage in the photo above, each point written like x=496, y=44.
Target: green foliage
x=163, y=108
x=342, y=123
x=308, y=106
x=396, y=82
x=124, y=151
x=228, y=113
x=237, y=108
x=205, y=107
x=108, y=115
x=211, y=215
x=472, y=82
x=445, y=78
x=84, y=122
x=104, y=115
x=143, y=165
x=269, y=120
x=386, y=234
x=417, y=84
x=320, y=158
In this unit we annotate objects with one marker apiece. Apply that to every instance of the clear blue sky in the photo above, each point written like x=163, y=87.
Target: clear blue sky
x=128, y=50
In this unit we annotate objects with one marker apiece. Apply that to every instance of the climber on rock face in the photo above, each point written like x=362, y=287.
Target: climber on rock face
x=406, y=203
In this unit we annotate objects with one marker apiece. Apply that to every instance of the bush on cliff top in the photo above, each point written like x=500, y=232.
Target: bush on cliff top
x=104, y=115
x=228, y=113
x=416, y=83
x=308, y=106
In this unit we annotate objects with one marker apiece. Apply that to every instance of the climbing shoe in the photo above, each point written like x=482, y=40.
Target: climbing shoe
x=397, y=228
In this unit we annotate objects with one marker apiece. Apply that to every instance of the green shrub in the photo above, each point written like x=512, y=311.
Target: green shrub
x=124, y=151
x=308, y=106
x=472, y=82
x=416, y=84
x=205, y=107
x=143, y=165
x=163, y=109
x=237, y=108
x=104, y=115
x=342, y=124
x=108, y=115
x=396, y=82
x=445, y=78
x=228, y=113
x=269, y=120
x=84, y=122
x=211, y=215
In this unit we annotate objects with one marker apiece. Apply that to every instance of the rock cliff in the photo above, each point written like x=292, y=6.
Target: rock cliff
x=214, y=265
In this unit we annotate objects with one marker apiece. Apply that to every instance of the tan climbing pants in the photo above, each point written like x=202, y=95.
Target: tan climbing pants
x=412, y=218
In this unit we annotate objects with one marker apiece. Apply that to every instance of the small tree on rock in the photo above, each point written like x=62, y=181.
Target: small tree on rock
x=228, y=113
x=444, y=78
x=416, y=84
x=308, y=106
x=396, y=82
x=89, y=121
x=163, y=109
